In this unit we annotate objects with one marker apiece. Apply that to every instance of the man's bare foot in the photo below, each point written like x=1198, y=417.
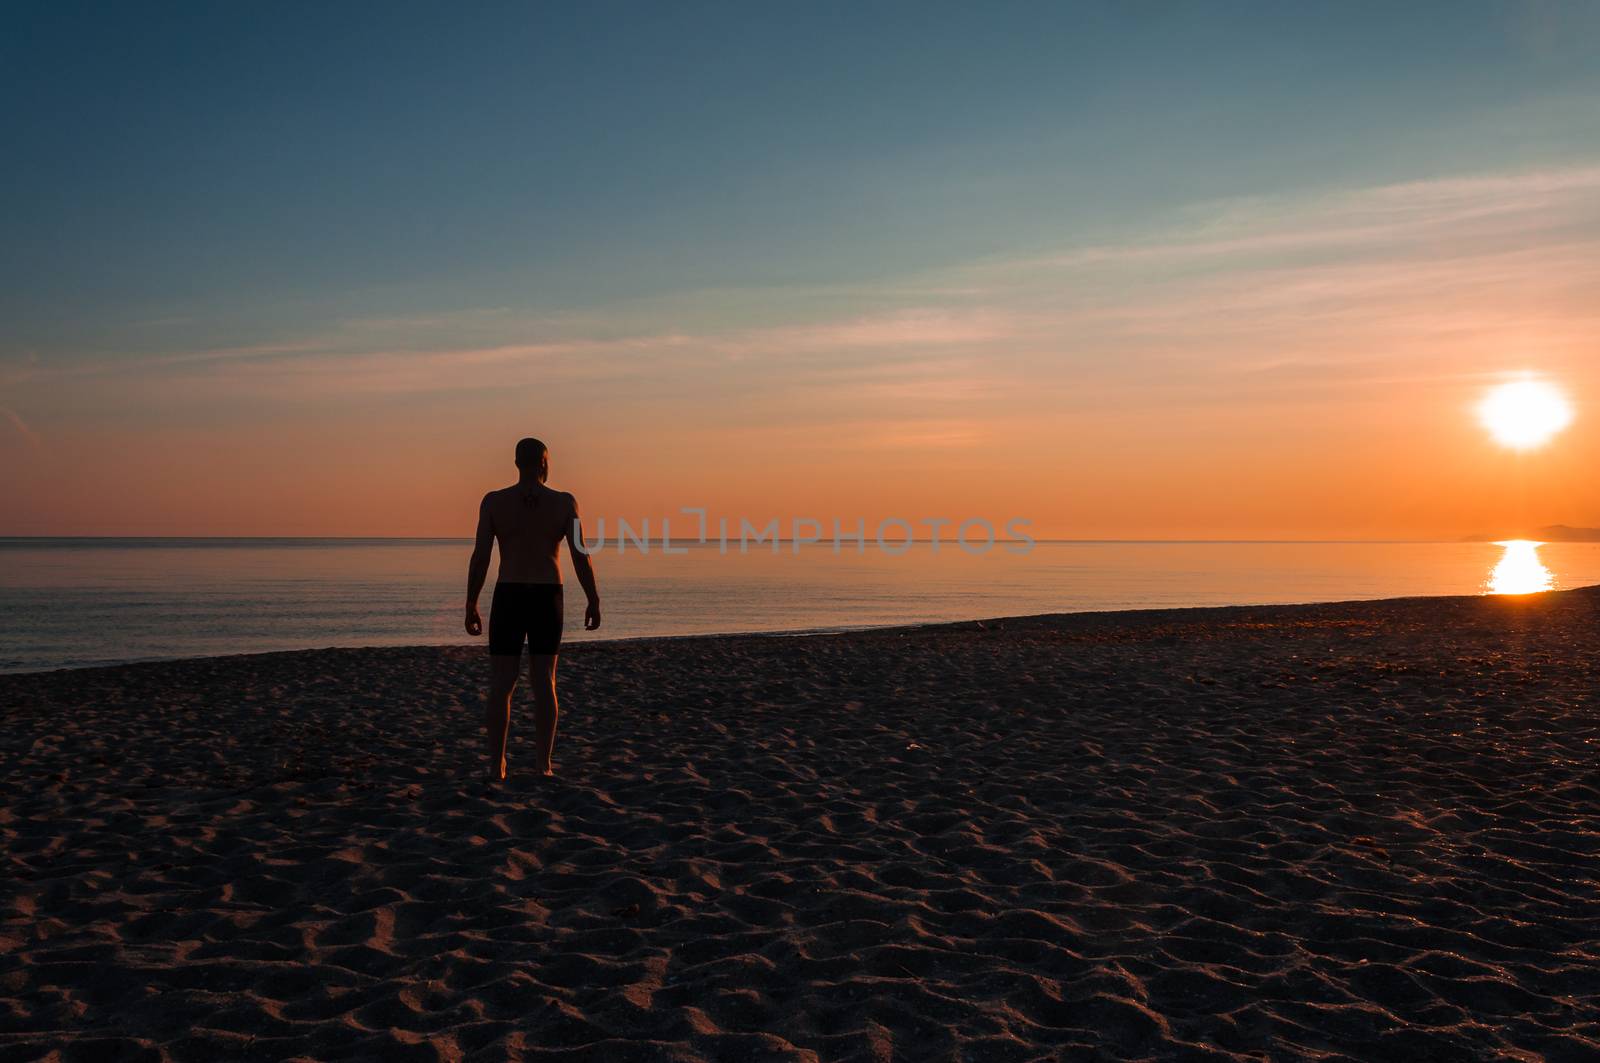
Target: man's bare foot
x=547, y=771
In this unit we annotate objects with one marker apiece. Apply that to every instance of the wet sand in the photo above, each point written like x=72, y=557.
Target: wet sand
x=1354, y=832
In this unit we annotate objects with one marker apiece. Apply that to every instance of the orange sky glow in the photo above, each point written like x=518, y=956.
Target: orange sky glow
x=1257, y=369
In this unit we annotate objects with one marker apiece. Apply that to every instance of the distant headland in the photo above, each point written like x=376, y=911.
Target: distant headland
x=1550, y=533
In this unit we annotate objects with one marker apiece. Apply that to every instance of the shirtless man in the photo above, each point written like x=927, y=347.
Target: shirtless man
x=529, y=520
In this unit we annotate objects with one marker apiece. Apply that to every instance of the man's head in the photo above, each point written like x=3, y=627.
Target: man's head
x=533, y=459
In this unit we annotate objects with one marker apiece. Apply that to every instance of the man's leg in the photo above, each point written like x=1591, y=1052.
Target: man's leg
x=497, y=716
x=542, y=677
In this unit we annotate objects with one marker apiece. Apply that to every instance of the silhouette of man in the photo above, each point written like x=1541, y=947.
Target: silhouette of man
x=528, y=520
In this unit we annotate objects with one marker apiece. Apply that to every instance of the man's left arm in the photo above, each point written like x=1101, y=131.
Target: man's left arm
x=583, y=566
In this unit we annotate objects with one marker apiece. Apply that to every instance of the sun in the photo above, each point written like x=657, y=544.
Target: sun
x=1525, y=414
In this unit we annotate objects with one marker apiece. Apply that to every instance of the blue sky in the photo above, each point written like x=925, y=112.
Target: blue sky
x=257, y=167
x=304, y=193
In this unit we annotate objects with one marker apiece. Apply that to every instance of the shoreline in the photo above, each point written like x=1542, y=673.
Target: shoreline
x=1351, y=830
x=569, y=646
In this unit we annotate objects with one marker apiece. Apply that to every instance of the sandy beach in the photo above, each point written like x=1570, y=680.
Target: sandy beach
x=1343, y=832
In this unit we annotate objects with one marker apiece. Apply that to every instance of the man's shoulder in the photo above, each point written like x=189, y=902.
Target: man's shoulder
x=516, y=492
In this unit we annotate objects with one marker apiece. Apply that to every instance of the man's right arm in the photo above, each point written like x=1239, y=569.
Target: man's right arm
x=478, y=567
x=583, y=565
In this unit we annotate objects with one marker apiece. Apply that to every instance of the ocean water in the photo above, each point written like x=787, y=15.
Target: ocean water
x=78, y=602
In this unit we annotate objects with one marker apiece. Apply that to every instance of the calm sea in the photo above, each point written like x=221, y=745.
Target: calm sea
x=76, y=602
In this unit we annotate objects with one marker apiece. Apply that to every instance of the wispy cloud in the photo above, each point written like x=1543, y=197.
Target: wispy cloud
x=325, y=366
x=1455, y=209
x=27, y=434
x=1383, y=272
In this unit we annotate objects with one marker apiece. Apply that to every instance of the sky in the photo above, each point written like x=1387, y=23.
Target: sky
x=1233, y=270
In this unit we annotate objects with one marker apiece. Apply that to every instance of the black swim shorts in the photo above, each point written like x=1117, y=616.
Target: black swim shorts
x=525, y=612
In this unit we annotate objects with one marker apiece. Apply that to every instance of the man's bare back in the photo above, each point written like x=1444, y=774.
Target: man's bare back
x=529, y=521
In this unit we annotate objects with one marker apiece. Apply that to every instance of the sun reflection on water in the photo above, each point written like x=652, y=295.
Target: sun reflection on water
x=1519, y=570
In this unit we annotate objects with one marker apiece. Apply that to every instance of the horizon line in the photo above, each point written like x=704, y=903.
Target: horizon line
x=825, y=541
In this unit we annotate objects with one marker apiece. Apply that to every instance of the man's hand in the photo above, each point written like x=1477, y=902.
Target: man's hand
x=591, y=615
x=474, y=621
